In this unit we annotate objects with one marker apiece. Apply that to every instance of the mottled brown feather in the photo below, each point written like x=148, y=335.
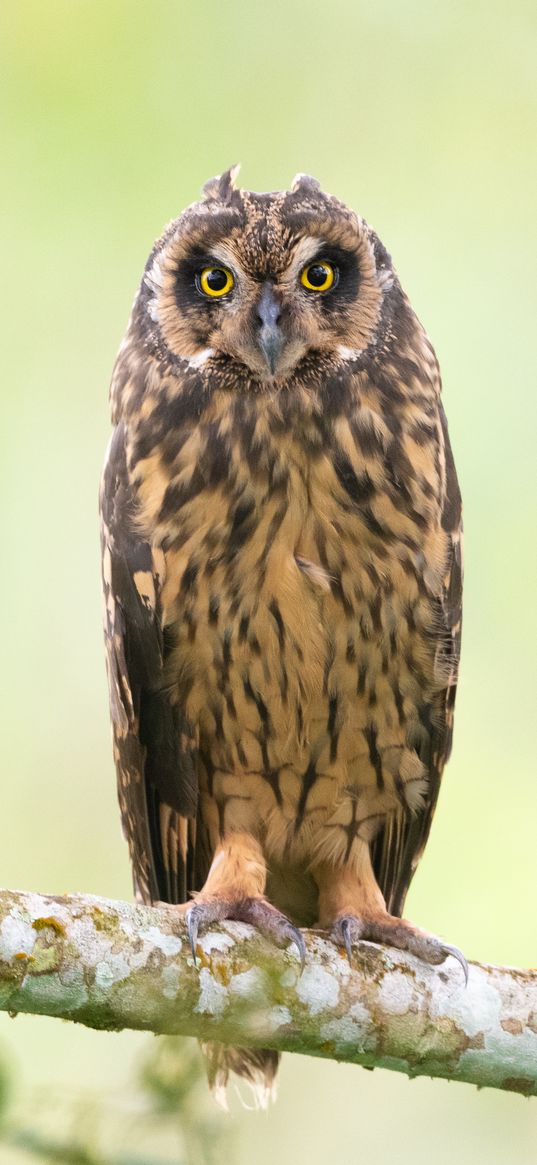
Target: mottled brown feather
x=154, y=748
x=282, y=554
x=397, y=850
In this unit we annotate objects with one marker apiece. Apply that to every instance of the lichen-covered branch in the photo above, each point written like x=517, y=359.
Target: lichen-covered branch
x=112, y=965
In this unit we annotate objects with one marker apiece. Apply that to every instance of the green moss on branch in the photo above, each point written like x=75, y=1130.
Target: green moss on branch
x=112, y=965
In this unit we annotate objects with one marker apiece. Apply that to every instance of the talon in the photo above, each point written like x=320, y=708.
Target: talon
x=255, y=911
x=346, y=932
x=298, y=939
x=193, y=921
x=458, y=955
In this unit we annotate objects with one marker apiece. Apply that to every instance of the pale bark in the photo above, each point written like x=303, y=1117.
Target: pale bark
x=112, y=965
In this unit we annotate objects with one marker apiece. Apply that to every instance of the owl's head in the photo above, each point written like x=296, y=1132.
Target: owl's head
x=261, y=284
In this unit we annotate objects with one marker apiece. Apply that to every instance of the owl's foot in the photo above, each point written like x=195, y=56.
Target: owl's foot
x=349, y=929
x=235, y=889
x=352, y=907
x=257, y=911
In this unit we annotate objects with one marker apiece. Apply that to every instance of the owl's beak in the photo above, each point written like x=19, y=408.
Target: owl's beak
x=271, y=338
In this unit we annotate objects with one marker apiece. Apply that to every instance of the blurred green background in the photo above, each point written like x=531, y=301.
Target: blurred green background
x=422, y=115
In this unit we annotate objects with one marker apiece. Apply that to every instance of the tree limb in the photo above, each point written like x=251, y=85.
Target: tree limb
x=112, y=965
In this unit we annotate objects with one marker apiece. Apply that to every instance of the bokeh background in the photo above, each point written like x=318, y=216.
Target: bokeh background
x=422, y=115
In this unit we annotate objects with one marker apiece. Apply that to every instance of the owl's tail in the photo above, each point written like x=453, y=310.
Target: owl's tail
x=256, y=1066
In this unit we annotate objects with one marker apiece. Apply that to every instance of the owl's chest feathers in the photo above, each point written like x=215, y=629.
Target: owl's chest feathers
x=299, y=580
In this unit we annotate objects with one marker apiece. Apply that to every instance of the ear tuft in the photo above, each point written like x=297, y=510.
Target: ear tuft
x=305, y=184
x=222, y=186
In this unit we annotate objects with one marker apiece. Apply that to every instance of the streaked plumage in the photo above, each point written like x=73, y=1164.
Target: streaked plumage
x=282, y=571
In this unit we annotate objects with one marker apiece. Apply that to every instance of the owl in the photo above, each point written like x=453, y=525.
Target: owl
x=281, y=529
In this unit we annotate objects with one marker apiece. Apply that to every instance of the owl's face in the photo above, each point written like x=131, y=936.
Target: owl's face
x=260, y=282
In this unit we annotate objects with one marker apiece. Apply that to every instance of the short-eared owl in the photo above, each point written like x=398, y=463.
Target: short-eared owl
x=282, y=572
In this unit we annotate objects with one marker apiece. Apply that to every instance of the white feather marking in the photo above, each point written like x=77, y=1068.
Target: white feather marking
x=200, y=358
x=385, y=278
x=154, y=278
x=154, y=281
x=349, y=353
x=317, y=574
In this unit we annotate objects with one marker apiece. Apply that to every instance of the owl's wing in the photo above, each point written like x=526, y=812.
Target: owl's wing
x=154, y=748
x=397, y=850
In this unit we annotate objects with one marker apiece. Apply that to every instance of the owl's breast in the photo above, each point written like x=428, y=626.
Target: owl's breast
x=298, y=624
x=300, y=583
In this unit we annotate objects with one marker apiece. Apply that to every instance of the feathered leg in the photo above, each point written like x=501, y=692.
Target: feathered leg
x=352, y=908
x=235, y=889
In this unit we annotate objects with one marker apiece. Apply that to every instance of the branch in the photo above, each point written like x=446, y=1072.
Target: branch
x=111, y=965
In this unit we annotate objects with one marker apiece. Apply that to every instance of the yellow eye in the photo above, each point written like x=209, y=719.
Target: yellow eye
x=215, y=281
x=318, y=276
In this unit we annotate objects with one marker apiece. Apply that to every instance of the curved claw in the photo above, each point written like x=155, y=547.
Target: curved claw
x=256, y=912
x=298, y=938
x=458, y=955
x=346, y=932
x=193, y=922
